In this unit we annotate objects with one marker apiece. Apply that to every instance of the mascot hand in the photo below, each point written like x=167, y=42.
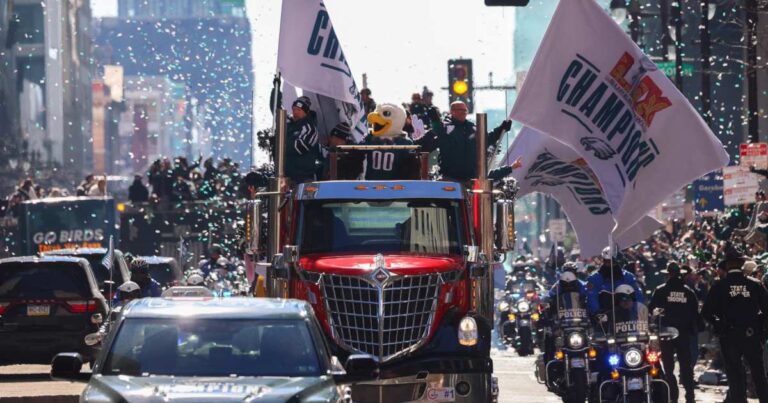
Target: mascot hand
x=418, y=128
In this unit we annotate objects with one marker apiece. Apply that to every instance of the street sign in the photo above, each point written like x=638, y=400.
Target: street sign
x=557, y=229
x=672, y=208
x=708, y=192
x=739, y=185
x=669, y=68
x=754, y=154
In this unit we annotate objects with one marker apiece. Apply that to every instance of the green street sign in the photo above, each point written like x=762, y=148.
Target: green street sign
x=669, y=68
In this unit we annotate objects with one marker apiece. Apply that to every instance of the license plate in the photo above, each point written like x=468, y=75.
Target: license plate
x=38, y=310
x=577, y=363
x=634, y=384
x=441, y=395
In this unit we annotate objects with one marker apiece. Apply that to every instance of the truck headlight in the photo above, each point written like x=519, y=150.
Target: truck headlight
x=523, y=306
x=633, y=357
x=503, y=306
x=575, y=340
x=468, y=331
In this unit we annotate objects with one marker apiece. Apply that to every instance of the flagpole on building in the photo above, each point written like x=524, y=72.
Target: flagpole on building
x=613, y=286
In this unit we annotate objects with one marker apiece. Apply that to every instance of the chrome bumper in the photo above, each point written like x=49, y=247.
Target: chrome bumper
x=427, y=387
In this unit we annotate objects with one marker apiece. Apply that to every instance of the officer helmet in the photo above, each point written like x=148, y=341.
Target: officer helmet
x=567, y=277
x=625, y=291
x=195, y=279
x=129, y=290
x=607, y=255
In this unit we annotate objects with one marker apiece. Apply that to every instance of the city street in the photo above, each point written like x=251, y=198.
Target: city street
x=517, y=383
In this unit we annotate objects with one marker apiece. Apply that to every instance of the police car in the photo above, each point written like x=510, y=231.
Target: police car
x=211, y=349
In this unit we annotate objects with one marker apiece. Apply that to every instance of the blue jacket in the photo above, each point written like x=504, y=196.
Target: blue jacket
x=596, y=284
x=582, y=288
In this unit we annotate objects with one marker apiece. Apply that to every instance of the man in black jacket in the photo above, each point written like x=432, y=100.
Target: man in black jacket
x=680, y=309
x=455, y=137
x=137, y=192
x=736, y=306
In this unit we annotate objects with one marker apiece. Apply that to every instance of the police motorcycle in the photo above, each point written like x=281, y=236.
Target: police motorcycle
x=566, y=365
x=127, y=292
x=629, y=345
x=519, y=312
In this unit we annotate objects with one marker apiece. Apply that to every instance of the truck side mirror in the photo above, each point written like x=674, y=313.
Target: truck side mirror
x=471, y=252
x=505, y=226
x=253, y=220
x=291, y=253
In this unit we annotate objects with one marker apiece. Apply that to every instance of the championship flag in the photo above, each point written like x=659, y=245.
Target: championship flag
x=310, y=57
x=593, y=89
x=553, y=168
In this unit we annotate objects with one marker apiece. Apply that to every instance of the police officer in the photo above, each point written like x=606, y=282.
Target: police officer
x=736, y=307
x=141, y=277
x=610, y=274
x=302, y=151
x=456, y=139
x=680, y=309
x=567, y=295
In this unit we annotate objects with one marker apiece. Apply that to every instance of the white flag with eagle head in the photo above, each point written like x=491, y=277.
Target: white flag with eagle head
x=553, y=168
x=592, y=88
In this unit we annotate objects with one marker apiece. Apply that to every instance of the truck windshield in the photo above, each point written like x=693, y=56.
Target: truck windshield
x=373, y=226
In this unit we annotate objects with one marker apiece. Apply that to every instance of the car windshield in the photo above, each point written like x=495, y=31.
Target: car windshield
x=43, y=280
x=100, y=271
x=213, y=347
x=416, y=226
x=162, y=273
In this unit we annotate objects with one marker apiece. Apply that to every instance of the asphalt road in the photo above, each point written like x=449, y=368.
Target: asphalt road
x=30, y=383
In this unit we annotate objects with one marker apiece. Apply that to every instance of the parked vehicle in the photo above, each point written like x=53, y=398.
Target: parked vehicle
x=164, y=270
x=95, y=256
x=214, y=349
x=47, y=305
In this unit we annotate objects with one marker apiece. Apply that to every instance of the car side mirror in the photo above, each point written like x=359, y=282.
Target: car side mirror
x=361, y=365
x=504, y=239
x=93, y=339
x=67, y=366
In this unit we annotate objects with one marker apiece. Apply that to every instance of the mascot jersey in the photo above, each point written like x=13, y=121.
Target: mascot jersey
x=387, y=123
x=386, y=164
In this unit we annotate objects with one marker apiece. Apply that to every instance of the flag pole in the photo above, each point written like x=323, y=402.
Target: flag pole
x=613, y=285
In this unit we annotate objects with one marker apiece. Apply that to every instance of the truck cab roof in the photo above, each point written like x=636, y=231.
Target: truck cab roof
x=380, y=190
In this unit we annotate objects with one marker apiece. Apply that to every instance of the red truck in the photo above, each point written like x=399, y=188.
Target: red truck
x=399, y=271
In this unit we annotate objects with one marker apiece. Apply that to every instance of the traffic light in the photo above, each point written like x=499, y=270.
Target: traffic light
x=460, y=86
x=509, y=3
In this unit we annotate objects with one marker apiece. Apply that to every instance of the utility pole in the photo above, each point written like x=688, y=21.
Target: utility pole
x=751, y=67
x=677, y=19
x=706, y=86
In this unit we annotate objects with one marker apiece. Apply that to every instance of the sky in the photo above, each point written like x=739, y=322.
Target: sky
x=401, y=45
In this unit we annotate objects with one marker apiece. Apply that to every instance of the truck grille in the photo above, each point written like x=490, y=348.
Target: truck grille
x=384, y=319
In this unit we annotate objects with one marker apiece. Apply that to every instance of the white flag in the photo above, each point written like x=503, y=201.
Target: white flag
x=553, y=168
x=310, y=57
x=592, y=88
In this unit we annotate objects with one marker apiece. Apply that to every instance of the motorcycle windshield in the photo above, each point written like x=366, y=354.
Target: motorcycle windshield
x=571, y=309
x=631, y=320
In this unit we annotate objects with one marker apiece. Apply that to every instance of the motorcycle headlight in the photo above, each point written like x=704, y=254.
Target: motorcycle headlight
x=575, y=340
x=633, y=357
x=503, y=306
x=523, y=306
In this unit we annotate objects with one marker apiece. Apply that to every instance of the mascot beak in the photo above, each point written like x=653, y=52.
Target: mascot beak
x=379, y=124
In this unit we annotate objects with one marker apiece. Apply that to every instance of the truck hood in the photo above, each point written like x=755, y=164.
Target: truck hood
x=193, y=389
x=401, y=264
